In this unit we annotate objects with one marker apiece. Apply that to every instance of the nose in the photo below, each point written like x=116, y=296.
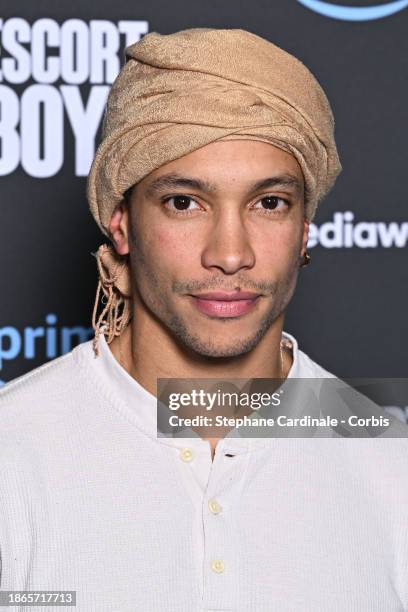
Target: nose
x=228, y=247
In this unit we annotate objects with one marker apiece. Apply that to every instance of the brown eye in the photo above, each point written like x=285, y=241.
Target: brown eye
x=180, y=203
x=272, y=203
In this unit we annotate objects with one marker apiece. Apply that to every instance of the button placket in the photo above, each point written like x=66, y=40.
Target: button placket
x=194, y=465
x=221, y=566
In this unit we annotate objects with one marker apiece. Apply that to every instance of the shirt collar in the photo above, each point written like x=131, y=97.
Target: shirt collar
x=140, y=405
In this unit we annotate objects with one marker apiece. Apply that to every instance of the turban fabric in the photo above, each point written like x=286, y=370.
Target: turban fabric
x=182, y=91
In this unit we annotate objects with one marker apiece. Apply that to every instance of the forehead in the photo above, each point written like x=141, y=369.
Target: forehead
x=237, y=164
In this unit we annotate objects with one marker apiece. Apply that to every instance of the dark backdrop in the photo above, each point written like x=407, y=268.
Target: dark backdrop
x=349, y=311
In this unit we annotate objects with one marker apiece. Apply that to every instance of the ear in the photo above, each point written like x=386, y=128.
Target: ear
x=118, y=229
x=305, y=236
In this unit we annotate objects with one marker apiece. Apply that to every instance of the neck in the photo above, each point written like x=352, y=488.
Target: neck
x=148, y=351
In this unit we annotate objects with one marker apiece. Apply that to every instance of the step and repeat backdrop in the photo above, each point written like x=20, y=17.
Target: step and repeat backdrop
x=57, y=62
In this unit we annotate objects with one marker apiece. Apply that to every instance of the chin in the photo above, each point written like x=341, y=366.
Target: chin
x=223, y=353
x=221, y=349
x=210, y=344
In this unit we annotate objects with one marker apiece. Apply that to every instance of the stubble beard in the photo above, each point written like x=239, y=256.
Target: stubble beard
x=281, y=293
x=209, y=347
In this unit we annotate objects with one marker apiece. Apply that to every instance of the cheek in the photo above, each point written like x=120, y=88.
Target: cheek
x=167, y=252
x=175, y=245
x=280, y=247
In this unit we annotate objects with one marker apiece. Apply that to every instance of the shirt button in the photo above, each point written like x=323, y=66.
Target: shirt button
x=214, y=506
x=186, y=454
x=217, y=566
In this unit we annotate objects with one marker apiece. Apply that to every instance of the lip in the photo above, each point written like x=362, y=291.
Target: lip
x=227, y=296
x=225, y=305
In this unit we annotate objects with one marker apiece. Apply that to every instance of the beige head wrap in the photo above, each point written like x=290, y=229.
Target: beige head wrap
x=179, y=92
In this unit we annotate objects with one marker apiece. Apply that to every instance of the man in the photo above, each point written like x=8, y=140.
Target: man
x=217, y=148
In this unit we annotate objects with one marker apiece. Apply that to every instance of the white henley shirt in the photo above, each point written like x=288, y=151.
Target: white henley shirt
x=91, y=500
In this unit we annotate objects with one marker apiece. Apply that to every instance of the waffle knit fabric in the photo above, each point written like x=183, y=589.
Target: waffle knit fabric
x=91, y=500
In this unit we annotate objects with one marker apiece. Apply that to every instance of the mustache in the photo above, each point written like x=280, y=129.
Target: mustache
x=186, y=287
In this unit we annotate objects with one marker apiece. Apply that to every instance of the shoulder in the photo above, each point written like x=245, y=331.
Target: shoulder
x=40, y=393
x=310, y=369
x=343, y=397
x=303, y=366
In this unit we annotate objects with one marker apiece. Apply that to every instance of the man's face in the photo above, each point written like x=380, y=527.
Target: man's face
x=225, y=219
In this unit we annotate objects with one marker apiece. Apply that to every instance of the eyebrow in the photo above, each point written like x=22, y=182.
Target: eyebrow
x=168, y=181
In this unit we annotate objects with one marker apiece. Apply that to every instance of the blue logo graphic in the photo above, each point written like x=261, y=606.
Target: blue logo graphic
x=354, y=13
x=45, y=342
